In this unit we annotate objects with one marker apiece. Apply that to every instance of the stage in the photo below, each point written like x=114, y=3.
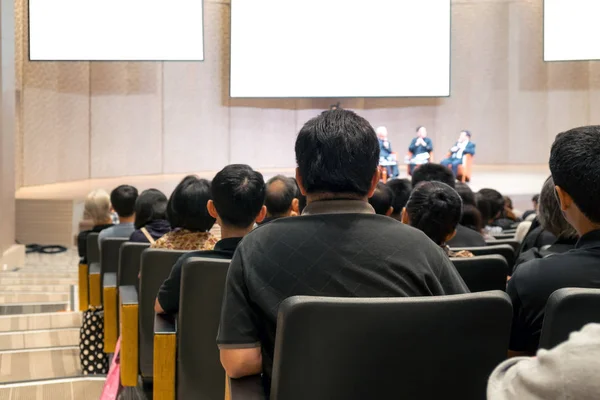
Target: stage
x=51, y=214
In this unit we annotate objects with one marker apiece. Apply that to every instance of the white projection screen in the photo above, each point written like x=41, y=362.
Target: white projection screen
x=340, y=48
x=116, y=30
x=571, y=30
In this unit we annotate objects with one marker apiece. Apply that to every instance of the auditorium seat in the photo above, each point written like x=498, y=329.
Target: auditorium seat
x=568, y=310
x=186, y=358
x=137, y=315
x=515, y=244
x=387, y=348
x=483, y=273
x=129, y=263
x=109, y=264
x=504, y=250
x=465, y=169
x=504, y=236
x=93, y=257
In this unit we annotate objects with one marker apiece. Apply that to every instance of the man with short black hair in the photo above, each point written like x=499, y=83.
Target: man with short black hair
x=401, y=189
x=382, y=200
x=575, y=167
x=238, y=195
x=462, y=147
x=282, y=198
x=334, y=249
x=122, y=200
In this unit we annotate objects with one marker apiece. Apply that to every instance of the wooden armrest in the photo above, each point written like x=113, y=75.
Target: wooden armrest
x=95, y=285
x=165, y=350
x=129, y=308
x=111, y=331
x=247, y=388
x=84, y=300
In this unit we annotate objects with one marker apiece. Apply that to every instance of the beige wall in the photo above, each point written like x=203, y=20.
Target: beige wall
x=82, y=120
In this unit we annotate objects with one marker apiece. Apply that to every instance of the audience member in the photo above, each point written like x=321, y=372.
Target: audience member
x=96, y=208
x=509, y=210
x=238, y=195
x=282, y=198
x=189, y=217
x=123, y=200
x=330, y=251
x=435, y=208
x=568, y=371
x=465, y=193
x=529, y=214
x=536, y=237
x=497, y=209
x=382, y=200
x=401, y=189
x=551, y=220
x=150, y=217
x=471, y=219
x=575, y=168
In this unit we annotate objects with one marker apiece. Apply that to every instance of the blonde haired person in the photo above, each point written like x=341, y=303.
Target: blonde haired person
x=96, y=208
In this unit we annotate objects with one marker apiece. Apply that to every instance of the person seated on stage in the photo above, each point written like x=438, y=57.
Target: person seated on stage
x=189, y=218
x=329, y=251
x=150, y=217
x=238, y=195
x=463, y=146
x=497, y=211
x=281, y=199
x=420, y=148
x=435, y=208
x=96, y=208
x=382, y=200
x=575, y=168
x=123, y=200
x=385, y=152
x=401, y=189
x=552, y=221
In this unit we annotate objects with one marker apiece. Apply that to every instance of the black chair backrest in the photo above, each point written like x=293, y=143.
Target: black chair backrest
x=155, y=265
x=109, y=255
x=483, y=273
x=129, y=263
x=503, y=250
x=199, y=371
x=504, y=236
x=412, y=348
x=515, y=244
x=92, y=249
x=568, y=310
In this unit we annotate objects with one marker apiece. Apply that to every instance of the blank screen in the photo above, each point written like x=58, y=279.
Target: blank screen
x=340, y=48
x=571, y=30
x=112, y=30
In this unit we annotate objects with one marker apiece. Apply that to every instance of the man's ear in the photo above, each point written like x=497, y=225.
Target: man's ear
x=261, y=215
x=300, y=181
x=564, y=199
x=405, y=219
x=390, y=211
x=212, y=210
x=374, y=182
x=450, y=236
x=295, y=208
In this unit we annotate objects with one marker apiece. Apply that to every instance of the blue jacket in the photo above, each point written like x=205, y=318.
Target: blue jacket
x=414, y=149
x=470, y=149
x=385, y=148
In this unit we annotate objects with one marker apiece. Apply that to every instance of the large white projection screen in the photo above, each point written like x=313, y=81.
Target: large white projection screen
x=116, y=30
x=571, y=30
x=340, y=48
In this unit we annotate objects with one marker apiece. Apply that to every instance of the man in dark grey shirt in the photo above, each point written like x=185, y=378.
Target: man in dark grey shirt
x=338, y=247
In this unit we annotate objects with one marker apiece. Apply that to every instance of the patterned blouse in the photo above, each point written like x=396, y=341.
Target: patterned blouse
x=183, y=239
x=457, y=254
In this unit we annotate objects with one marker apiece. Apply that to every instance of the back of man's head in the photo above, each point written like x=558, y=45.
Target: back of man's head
x=337, y=152
x=465, y=193
x=281, y=193
x=382, y=200
x=433, y=173
x=123, y=200
x=575, y=167
x=496, y=201
x=401, y=189
x=238, y=193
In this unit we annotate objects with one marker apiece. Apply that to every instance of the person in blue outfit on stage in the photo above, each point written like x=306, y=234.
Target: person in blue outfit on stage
x=457, y=152
x=420, y=148
x=387, y=157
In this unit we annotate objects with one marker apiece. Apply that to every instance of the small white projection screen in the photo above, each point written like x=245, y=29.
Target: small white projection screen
x=571, y=30
x=113, y=30
x=340, y=48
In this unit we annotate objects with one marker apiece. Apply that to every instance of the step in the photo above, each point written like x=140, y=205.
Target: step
x=36, y=281
x=33, y=308
x=40, y=321
x=34, y=298
x=56, y=389
x=39, y=339
x=6, y=289
x=45, y=274
x=24, y=365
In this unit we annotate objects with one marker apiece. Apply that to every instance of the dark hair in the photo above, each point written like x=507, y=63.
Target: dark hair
x=575, y=167
x=382, y=199
x=301, y=198
x=151, y=205
x=433, y=172
x=467, y=133
x=550, y=214
x=337, y=152
x=239, y=194
x=484, y=206
x=465, y=193
x=187, y=205
x=434, y=208
x=496, y=202
x=471, y=218
x=536, y=199
x=122, y=199
x=281, y=191
x=401, y=189
x=419, y=127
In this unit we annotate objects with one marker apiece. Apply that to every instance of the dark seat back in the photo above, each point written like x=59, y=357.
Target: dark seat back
x=483, y=273
x=109, y=255
x=503, y=250
x=129, y=263
x=387, y=348
x=155, y=266
x=199, y=371
x=515, y=244
x=92, y=249
x=568, y=310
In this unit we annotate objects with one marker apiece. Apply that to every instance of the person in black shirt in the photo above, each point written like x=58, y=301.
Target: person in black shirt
x=238, y=195
x=338, y=247
x=281, y=199
x=382, y=200
x=575, y=167
x=150, y=216
x=401, y=189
